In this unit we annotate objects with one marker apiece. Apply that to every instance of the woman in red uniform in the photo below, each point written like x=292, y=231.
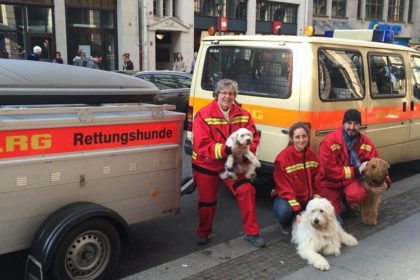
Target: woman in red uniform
x=296, y=176
x=212, y=126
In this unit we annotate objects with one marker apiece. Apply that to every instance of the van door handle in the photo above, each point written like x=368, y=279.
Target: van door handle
x=404, y=106
x=412, y=106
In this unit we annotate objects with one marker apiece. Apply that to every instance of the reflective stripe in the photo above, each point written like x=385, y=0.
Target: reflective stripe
x=240, y=119
x=293, y=202
x=218, y=151
x=335, y=147
x=194, y=155
x=214, y=121
x=347, y=172
x=366, y=147
x=299, y=166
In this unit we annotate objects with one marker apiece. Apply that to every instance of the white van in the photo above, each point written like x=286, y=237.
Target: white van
x=286, y=79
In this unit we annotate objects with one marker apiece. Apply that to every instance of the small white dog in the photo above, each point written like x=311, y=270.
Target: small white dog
x=235, y=164
x=317, y=231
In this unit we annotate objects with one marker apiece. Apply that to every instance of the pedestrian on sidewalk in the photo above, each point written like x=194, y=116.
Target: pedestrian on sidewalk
x=296, y=176
x=35, y=54
x=127, y=64
x=179, y=64
x=94, y=61
x=343, y=155
x=212, y=126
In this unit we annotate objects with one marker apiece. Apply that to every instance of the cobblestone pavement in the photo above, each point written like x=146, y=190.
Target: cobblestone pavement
x=279, y=259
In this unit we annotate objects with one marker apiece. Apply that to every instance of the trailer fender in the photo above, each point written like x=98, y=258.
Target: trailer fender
x=64, y=219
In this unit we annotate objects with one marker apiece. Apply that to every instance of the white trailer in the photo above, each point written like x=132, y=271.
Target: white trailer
x=74, y=176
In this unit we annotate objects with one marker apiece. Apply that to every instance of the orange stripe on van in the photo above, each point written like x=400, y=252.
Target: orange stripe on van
x=320, y=120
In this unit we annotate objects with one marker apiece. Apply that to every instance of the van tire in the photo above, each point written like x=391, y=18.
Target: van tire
x=88, y=251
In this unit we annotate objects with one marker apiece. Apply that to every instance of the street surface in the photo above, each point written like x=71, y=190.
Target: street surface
x=169, y=238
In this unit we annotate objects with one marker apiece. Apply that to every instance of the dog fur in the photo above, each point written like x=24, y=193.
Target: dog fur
x=374, y=174
x=316, y=231
x=235, y=164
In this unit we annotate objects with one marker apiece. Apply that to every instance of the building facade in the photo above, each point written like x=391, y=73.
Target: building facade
x=154, y=31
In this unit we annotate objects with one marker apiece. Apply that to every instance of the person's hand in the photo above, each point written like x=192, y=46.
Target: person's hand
x=238, y=150
x=362, y=166
x=379, y=189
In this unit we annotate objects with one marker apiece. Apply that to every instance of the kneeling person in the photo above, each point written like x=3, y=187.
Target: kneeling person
x=296, y=176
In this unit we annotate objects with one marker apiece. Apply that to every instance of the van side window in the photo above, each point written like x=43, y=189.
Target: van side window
x=340, y=74
x=387, y=75
x=259, y=72
x=415, y=66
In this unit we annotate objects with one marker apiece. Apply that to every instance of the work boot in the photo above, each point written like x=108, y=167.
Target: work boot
x=285, y=230
x=203, y=240
x=255, y=240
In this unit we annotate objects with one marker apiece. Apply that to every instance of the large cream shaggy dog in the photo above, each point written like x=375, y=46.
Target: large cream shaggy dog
x=316, y=231
x=236, y=164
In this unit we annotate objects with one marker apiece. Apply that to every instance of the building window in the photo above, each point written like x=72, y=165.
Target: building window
x=374, y=9
x=410, y=11
x=25, y=26
x=275, y=11
x=338, y=8
x=174, y=10
x=92, y=27
x=236, y=9
x=320, y=7
x=206, y=8
x=396, y=10
x=359, y=9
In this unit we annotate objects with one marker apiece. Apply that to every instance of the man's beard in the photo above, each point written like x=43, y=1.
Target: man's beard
x=352, y=132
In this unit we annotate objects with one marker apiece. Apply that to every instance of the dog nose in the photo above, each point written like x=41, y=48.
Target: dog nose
x=316, y=221
x=248, y=142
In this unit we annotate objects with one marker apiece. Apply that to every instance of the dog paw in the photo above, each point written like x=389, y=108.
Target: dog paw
x=350, y=241
x=251, y=175
x=332, y=251
x=232, y=176
x=321, y=264
x=257, y=163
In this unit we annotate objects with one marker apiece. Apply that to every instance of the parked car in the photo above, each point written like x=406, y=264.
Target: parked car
x=174, y=87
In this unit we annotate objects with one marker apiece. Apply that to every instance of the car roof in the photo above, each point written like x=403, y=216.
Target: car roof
x=53, y=82
x=185, y=74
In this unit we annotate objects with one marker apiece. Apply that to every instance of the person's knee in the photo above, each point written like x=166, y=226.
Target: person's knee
x=245, y=189
x=282, y=211
x=356, y=196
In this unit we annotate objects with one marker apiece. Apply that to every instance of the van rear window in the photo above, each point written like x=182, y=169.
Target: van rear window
x=259, y=72
x=340, y=75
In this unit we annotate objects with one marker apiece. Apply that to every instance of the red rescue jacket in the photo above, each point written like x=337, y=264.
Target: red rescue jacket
x=211, y=130
x=336, y=168
x=296, y=176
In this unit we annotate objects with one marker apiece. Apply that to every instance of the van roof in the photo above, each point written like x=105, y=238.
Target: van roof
x=34, y=82
x=305, y=39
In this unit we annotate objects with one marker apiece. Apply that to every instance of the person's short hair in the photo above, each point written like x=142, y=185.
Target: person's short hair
x=224, y=83
x=126, y=55
x=37, y=49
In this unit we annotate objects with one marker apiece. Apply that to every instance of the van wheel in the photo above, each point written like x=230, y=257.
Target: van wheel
x=88, y=251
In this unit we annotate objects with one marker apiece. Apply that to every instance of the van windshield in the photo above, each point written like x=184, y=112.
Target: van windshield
x=262, y=72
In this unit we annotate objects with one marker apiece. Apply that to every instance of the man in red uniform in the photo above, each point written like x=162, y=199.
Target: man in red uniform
x=343, y=155
x=212, y=126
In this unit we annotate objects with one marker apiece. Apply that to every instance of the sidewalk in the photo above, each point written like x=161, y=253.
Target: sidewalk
x=386, y=251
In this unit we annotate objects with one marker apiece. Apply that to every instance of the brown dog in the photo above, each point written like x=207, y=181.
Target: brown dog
x=374, y=175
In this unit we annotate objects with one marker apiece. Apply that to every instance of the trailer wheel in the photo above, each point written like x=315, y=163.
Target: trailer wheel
x=88, y=251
